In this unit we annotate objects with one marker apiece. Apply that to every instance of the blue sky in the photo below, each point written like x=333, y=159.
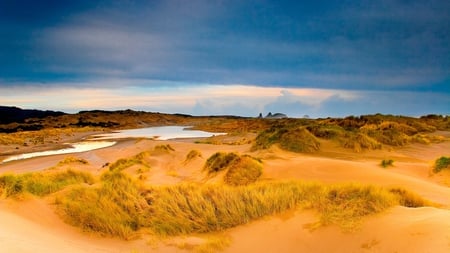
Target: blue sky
x=317, y=58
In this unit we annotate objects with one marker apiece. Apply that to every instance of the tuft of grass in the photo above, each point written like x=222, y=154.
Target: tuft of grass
x=409, y=199
x=192, y=155
x=163, y=148
x=124, y=163
x=359, y=142
x=240, y=170
x=114, y=208
x=213, y=244
x=441, y=163
x=387, y=163
x=219, y=161
x=41, y=183
x=346, y=205
x=243, y=171
x=71, y=160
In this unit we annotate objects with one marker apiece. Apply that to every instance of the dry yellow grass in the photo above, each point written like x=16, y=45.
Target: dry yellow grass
x=119, y=205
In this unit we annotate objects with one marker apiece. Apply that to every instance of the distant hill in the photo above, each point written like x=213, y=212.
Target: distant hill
x=9, y=114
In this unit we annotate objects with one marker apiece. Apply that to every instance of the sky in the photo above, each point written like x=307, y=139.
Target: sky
x=331, y=58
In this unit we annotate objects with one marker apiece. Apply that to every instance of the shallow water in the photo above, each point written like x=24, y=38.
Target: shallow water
x=157, y=133
x=75, y=148
x=98, y=141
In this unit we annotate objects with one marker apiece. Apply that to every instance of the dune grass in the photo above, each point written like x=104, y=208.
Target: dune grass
x=124, y=163
x=163, y=149
x=219, y=161
x=290, y=138
x=192, y=155
x=71, y=160
x=115, y=208
x=359, y=142
x=119, y=206
x=240, y=169
x=184, y=209
x=41, y=183
x=243, y=171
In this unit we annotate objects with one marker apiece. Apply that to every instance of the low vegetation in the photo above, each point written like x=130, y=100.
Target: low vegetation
x=41, y=183
x=162, y=149
x=124, y=163
x=295, y=139
x=119, y=206
x=441, y=163
x=72, y=160
x=115, y=207
x=359, y=142
x=192, y=155
x=219, y=161
x=243, y=171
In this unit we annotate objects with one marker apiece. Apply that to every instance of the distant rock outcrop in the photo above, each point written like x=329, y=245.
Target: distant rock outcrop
x=274, y=116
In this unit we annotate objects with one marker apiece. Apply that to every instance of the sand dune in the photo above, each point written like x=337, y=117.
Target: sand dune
x=32, y=225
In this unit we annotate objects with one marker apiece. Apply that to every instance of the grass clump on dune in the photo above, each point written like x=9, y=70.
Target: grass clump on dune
x=184, y=209
x=219, y=161
x=441, y=163
x=115, y=208
x=124, y=163
x=71, y=160
x=243, y=171
x=295, y=139
x=188, y=208
x=192, y=155
x=119, y=206
x=41, y=183
x=240, y=169
x=359, y=142
x=163, y=149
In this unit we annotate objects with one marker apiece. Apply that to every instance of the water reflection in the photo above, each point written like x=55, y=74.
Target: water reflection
x=158, y=133
x=75, y=148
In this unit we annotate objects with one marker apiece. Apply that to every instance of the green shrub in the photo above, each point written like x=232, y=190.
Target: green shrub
x=441, y=163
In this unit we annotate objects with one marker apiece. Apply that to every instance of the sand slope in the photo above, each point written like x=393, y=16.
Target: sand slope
x=32, y=225
x=398, y=230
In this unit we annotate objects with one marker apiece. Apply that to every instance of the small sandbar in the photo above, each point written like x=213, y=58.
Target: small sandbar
x=74, y=148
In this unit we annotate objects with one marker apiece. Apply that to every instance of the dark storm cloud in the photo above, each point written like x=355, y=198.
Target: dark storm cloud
x=341, y=45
